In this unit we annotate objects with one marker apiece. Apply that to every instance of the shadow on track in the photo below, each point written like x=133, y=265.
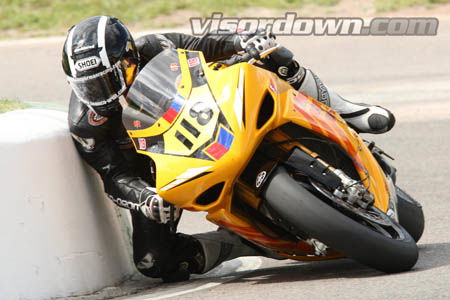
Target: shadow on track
x=433, y=256
x=430, y=256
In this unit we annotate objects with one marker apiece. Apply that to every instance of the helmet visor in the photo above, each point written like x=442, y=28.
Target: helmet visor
x=100, y=89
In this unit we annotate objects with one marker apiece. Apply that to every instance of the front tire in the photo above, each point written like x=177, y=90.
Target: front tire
x=410, y=214
x=356, y=240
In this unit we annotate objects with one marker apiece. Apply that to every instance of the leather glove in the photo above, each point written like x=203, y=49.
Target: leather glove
x=256, y=42
x=156, y=208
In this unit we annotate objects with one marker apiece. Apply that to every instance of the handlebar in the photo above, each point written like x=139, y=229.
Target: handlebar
x=250, y=58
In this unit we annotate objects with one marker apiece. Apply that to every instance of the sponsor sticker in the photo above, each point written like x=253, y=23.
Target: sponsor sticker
x=87, y=63
x=137, y=124
x=174, y=67
x=142, y=144
x=194, y=61
x=283, y=71
x=260, y=178
x=82, y=49
x=96, y=120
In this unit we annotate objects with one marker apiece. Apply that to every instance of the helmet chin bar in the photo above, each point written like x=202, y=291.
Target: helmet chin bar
x=108, y=109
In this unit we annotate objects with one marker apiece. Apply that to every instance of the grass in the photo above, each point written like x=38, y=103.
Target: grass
x=20, y=18
x=8, y=105
x=389, y=5
x=51, y=16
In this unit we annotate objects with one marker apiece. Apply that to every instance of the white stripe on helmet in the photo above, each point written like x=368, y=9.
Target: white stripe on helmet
x=69, y=52
x=101, y=41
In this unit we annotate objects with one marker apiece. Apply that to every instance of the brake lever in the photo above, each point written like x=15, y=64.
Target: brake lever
x=264, y=54
x=249, y=57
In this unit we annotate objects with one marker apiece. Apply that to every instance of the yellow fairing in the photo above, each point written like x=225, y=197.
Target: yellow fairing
x=221, y=149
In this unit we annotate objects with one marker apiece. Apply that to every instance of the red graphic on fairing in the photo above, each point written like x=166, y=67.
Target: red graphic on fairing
x=174, y=109
x=252, y=234
x=222, y=145
x=325, y=124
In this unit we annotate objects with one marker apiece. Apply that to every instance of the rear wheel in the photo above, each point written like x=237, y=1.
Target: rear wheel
x=372, y=239
x=410, y=214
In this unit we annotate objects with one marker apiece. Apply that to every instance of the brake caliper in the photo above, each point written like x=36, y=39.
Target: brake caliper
x=352, y=191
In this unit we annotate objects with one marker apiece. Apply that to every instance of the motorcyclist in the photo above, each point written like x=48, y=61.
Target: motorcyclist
x=101, y=60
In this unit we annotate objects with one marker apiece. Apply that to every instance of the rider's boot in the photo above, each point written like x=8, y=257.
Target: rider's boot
x=223, y=245
x=364, y=118
x=199, y=253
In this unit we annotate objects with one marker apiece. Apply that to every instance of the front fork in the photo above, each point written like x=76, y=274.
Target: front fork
x=390, y=171
x=392, y=210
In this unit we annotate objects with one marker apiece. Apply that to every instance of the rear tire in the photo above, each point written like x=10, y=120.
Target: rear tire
x=410, y=214
x=356, y=240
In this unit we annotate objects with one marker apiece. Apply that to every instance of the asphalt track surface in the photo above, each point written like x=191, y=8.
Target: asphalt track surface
x=409, y=75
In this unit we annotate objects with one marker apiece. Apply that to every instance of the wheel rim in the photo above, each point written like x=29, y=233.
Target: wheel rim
x=373, y=218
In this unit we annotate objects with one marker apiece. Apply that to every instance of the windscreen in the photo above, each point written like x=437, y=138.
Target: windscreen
x=153, y=92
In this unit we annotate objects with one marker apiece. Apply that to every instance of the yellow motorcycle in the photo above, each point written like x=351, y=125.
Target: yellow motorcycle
x=269, y=163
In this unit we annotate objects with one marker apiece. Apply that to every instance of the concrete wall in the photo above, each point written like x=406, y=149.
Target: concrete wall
x=59, y=235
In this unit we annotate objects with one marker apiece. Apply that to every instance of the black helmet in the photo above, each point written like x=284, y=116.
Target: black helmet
x=100, y=60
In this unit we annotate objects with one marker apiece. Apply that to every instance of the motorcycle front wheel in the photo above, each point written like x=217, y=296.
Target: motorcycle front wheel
x=410, y=214
x=387, y=247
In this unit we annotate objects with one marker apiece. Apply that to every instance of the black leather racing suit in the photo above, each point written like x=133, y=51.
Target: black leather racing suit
x=104, y=144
